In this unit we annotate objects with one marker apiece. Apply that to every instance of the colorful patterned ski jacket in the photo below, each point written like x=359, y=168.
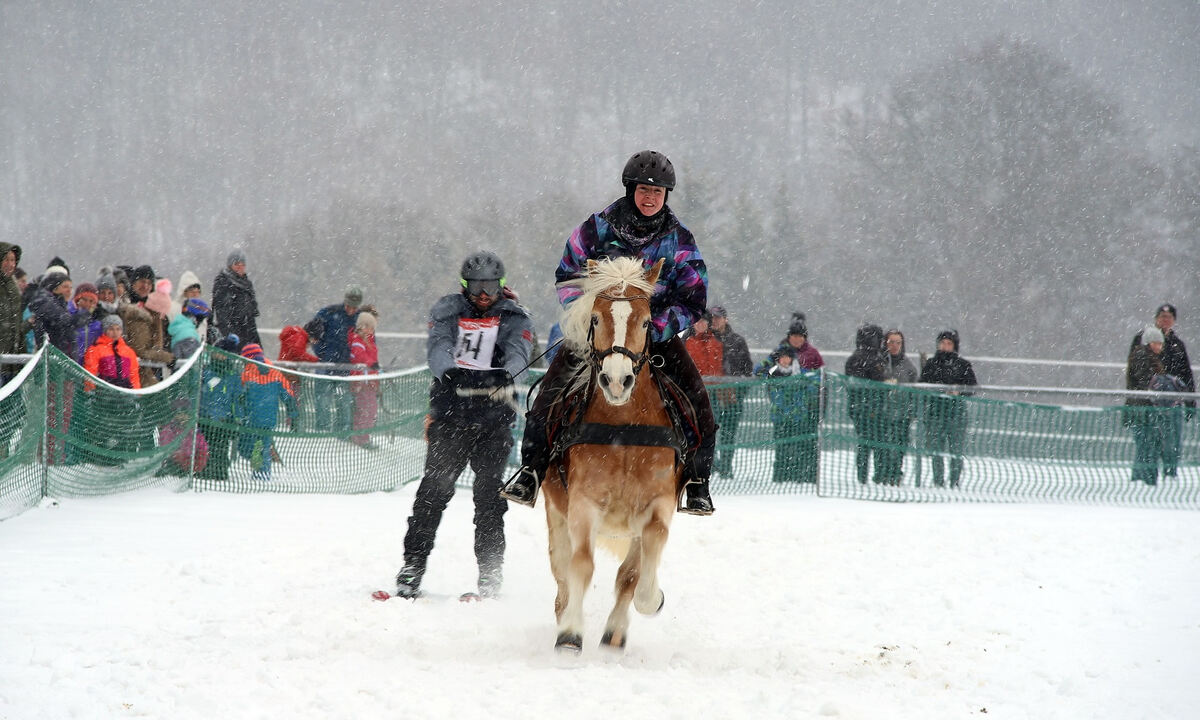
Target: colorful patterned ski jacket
x=682, y=292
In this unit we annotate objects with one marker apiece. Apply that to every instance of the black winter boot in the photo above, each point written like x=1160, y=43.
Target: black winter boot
x=698, y=501
x=522, y=487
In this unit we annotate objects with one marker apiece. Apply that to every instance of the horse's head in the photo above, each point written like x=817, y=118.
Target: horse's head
x=617, y=292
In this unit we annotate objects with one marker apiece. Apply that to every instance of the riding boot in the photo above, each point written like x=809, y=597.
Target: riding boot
x=522, y=487
x=698, y=500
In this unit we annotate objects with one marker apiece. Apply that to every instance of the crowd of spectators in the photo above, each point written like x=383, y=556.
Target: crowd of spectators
x=129, y=327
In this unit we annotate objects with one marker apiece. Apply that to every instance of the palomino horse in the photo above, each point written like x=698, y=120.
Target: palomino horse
x=621, y=474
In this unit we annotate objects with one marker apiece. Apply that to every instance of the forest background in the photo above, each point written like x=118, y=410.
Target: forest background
x=1026, y=172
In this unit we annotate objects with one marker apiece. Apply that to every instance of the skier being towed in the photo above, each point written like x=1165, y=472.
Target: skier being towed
x=639, y=225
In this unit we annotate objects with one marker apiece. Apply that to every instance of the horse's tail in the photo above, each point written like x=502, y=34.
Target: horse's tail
x=618, y=545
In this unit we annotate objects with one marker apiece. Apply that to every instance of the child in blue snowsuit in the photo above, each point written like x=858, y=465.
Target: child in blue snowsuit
x=263, y=389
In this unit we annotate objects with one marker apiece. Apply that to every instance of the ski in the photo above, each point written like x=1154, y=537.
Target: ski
x=384, y=596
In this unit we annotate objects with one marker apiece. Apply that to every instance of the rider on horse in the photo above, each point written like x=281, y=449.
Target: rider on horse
x=638, y=225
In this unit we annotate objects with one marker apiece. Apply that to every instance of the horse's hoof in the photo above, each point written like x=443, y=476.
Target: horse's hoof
x=607, y=641
x=569, y=642
x=651, y=611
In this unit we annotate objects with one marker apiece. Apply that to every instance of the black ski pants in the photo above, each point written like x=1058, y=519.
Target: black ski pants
x=451, y=448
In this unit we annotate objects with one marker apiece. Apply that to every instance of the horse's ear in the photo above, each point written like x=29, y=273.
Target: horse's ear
x=652, y=276
x=591, y=266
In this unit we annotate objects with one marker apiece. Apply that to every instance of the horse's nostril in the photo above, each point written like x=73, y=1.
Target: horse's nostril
x=603, y=378
x=628, y=382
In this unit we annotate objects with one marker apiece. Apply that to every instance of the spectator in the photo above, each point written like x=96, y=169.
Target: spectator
x=334, y=403
x=87, y=302
x=366, y=393
x=946, y=413
x=864, y=401
x=293, y=345
x=1174, y=355
x=189, y=288
x=220, y=389
x=234, y=305
x=704, y=348
x=795, y=408
x=144, y=331
x=53, y=319
x=106, y=293
x=184, y=329
x=12, y=331
x=141, y=284
x=191, y=456
x=807, y=355
x=479, y=341
x=735, y=362
x=111, y=359
x=899, y=410
x=264, y=389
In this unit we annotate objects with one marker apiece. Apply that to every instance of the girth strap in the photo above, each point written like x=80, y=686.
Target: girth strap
x=635, y=435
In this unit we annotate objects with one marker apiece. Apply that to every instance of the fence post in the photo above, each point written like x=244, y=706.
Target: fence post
x=45, y=423
x=198, y=369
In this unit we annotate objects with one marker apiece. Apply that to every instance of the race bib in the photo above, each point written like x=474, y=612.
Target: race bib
x=476, y=342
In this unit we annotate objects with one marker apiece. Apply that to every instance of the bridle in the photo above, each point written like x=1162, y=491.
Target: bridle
x=597, y=356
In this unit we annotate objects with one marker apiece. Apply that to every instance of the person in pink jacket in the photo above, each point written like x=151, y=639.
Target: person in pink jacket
x=363, y=351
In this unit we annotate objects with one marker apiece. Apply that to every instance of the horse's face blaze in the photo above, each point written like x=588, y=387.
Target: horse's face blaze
x=620, y=324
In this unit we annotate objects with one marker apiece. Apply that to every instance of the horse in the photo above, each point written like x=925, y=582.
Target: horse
x=619, y=477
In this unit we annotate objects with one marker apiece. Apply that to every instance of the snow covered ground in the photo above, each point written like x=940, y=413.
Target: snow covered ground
x=161, y=605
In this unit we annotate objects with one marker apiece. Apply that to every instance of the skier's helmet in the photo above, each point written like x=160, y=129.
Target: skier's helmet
x=482, y=272
x=649, y=168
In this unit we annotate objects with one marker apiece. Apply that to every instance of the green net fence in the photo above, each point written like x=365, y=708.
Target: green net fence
x=222, y=423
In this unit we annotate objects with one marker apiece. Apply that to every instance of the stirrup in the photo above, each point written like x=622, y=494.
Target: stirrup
x=698, y=501
x=522, y=487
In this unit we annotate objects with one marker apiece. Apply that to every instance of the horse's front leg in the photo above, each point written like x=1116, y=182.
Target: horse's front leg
x=560, y=553
x=616, y=631
x=648, y=599
x=581, y=523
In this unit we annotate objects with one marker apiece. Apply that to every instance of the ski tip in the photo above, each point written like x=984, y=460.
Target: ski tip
x=381, y=595
x=469, y=597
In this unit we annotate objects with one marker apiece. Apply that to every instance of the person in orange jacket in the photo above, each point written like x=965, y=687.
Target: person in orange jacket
x=110, y=358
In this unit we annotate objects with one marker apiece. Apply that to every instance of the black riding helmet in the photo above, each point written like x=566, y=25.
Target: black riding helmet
x=648, y=168
x=482, y=272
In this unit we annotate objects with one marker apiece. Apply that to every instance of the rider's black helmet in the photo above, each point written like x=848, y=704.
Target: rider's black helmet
x=482, y=272
x=649, y=168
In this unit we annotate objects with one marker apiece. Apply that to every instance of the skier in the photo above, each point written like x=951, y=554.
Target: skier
x=479, y=341
x=638, y=225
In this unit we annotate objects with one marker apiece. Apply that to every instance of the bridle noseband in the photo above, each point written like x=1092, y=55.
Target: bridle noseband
x=597, y=356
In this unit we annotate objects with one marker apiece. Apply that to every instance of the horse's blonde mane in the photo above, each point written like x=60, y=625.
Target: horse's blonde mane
x=619, y=274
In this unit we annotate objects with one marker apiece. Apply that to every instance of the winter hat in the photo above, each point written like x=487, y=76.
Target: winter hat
x=58, y=266
x=106, y=282
x=111, y=320
x=798, y=327
x=229, y=343
x=51, y=281
x=354, y=296
x=85, y=289
x=141, y=272
x=717, y=311
x=196, y=308
x=158, y=302
x=1151, y=334
x=1165, y=308
x=163, y=285
x=951, y=335
x=235, y=257
x=254, y=351
x=315, y=328
x=366, y=321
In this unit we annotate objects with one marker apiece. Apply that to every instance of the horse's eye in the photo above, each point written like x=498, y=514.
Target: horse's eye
x=595, y=320
x=645, y=323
